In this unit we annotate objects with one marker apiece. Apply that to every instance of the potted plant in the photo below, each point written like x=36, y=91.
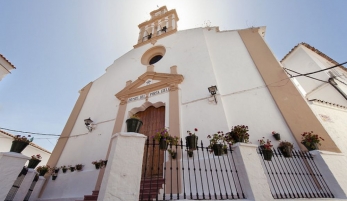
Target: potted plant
x=190, y=152
x=55, y=169
x=134, y=124
x=79, y=167
x=72, y=168
x=104, y=163
x=164, y=138
x=218, y=142
x=192, y=140
x=54, y=176
x=98, y=164
x=172, y=153
x=34, y=161
x=64, y=168
x=42, y=170
x=310, y=140
x=19, y=143
x=265, y=148
x=276, y=135
x=286, y=149
x=239, y=133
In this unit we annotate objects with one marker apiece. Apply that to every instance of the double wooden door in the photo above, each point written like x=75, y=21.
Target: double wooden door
x=153, y=120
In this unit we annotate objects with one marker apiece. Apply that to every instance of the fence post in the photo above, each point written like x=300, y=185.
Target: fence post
x=10, y=166
x=122, y=176
x=24, y=187
x=330, y=166
x=251, y=172
x=35, y=194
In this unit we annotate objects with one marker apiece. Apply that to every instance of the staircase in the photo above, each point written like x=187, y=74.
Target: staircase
x=149, y=188
x=93, y=197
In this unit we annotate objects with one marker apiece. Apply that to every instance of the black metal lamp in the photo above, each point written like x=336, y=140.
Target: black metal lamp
x=213, y=91
x=88, y=122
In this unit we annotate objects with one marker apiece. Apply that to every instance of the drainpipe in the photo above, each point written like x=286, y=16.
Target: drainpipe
x=334, y=84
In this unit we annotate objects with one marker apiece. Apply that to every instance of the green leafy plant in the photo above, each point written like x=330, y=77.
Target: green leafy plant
x=265, y=145
x=239, y=133
x=164, y=134
x=286, y=144
x=218, y=138
x=310, y=140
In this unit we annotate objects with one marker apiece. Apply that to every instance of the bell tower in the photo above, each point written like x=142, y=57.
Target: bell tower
x=161, y=24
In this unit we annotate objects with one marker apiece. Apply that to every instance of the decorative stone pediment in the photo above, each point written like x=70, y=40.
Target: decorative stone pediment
x=148, y=84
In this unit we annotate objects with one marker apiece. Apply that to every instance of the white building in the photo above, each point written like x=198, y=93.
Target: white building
x=31, y=149
x=165, y=79
x=5, y=67
x=324, y=91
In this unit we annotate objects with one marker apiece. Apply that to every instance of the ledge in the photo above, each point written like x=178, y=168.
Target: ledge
x=14, y=155
x=128, y=134
x=239, y=144
x=316, y=152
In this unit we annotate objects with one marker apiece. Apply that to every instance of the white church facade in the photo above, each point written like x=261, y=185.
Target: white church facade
x=164, y=79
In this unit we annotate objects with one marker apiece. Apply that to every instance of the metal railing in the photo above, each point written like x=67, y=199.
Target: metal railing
x=31, y=188
x=16, y=184
x=294, y=177
x=201, y=176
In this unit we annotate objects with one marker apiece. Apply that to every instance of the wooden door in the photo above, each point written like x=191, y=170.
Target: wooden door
x=153, y=120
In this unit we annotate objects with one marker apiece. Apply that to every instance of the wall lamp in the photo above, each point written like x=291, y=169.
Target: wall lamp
x=213, y=91
x=88, y=122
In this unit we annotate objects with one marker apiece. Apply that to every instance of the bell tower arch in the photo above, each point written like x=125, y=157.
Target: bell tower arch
x=161, y=24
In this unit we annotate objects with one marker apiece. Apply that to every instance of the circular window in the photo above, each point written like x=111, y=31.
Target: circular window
x=155, y=59
x=153, y=55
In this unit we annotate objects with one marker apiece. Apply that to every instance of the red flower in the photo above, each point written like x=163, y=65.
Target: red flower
x=196, y=129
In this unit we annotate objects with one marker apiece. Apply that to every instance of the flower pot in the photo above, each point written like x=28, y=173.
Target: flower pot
x=190, y=154
x=173, y=155
x=97, y=166
x=56, y=170
x=133, y=125
x=218, y=149
x=64, y=170
x=286, y=151
x=43, y=172
x=18, y=146
x=277, y=136
x=72, y=169
x=54, y=177
x=192, y=142
x=162, y=144
x=237, y=137
x=267, y=154
x=311, y=146
x=33, y=163
x=78, y=167
x=105, y=163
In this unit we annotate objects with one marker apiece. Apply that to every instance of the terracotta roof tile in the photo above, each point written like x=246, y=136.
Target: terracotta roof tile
x=316, y=51
x=7, y=61
x=32, y=144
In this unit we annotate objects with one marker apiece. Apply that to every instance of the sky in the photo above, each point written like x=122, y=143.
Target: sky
x=58, y=47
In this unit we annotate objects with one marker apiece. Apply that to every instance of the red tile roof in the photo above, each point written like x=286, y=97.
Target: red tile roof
x=32, y=144
x=7, y=61
x=316, y=51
